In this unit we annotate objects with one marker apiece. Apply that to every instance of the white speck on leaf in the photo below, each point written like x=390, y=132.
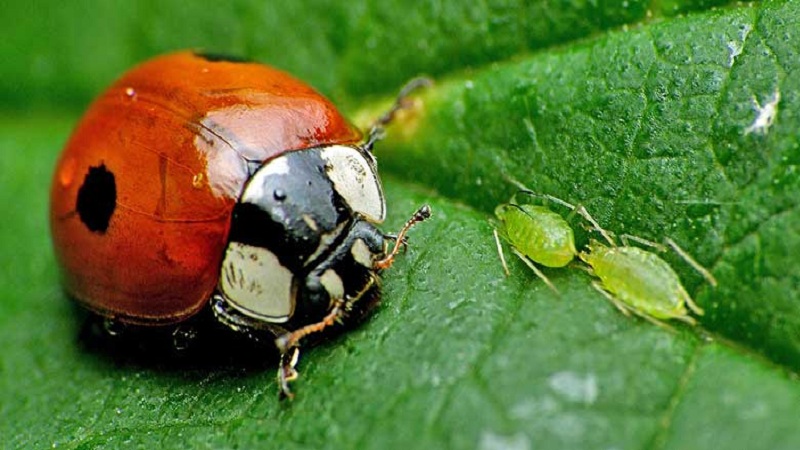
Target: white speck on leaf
x=493, y=441
x=575, y=387
x=756, y=411
x=531, y=409
x=569, y=426
x=766, y=114
x=736, y=47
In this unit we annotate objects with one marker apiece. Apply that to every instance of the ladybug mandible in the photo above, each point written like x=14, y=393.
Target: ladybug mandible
x=197, y=181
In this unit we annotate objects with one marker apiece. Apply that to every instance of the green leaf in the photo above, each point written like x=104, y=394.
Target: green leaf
x=662, y=131
x=656, y=122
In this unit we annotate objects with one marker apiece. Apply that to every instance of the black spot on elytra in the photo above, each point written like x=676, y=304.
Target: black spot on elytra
x=221, y=57
x=97, y=198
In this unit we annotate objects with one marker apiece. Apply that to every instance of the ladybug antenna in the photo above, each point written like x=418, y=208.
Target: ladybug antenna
x=422, y=214
x=378, y=129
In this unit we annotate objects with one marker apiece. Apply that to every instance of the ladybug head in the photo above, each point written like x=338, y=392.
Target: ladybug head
x=302, y=235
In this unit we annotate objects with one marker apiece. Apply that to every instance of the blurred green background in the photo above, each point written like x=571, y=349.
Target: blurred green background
x=59, y=54
x=637, y=109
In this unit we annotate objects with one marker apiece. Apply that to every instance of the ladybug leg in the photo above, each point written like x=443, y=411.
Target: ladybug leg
x=393, y=237
x=287, y=372
x=378, y=129
x=113, y=327
x=423, y=213
x=289, y=343
x=290, y=340
x=183, y=336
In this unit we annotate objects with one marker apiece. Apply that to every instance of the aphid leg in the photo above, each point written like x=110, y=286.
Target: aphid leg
x=661, y=324
x=629, y=237
x=500, y=252
x=623, y=308
x=535, y=270
x=687, y=319
x=627, y=310
x=692, y=262
x=690, y=303
x=582, y=266
x=423, y=213
x=378, y=129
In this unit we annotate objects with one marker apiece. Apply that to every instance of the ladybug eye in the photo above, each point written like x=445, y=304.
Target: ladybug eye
x=97, y=199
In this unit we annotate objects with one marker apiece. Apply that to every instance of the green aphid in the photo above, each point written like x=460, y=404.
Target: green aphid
x=640, y=282
x=536, y=234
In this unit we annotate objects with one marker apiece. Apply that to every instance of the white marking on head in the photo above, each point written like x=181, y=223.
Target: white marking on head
x=256, y=284
x=333, y=284
x=255, y=188
x=356, y=181
x=361, y=253
x=325, y=242
x=766, y=115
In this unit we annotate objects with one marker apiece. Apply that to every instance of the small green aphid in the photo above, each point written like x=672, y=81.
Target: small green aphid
x=640, y=282
x=536, y=234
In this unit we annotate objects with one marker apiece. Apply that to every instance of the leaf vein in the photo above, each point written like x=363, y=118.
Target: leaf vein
x=665, y=423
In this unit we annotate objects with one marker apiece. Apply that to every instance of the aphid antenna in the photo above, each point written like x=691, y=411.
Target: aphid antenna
x=625, y=238
x=536, y=270
x=627, y=310
x=547, y=197
x=522, y=189
x=692, y=262
x=522, y=210
x=575, y=209
x=518, y=184
x=690, y=303
x=378, y=129
x=705, y=273
x=606, y=234
x=500, y=252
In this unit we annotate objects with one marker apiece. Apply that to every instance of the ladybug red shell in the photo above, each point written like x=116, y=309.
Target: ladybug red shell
x=196, y=181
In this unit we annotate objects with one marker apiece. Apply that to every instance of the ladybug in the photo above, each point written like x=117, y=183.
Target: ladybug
x=198, y=182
